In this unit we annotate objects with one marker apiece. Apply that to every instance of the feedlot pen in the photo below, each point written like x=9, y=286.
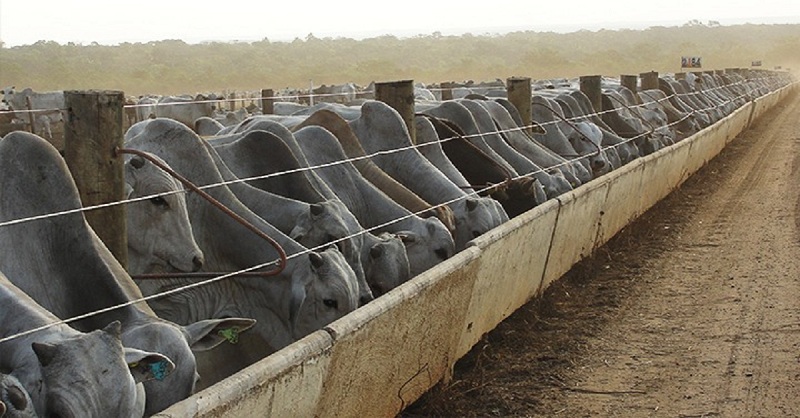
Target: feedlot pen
x=693, y=310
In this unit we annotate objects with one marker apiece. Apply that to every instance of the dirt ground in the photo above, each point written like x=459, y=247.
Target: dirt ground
x=691, y=311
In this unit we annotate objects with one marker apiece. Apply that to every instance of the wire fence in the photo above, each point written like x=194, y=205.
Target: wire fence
x=480, y=191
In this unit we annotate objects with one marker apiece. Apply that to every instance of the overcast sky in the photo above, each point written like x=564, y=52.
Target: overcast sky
x=24, y=22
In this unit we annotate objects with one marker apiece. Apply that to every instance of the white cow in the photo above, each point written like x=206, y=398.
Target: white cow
x=70, y=373
x=62, y=264
x=47, y=108
x=146, y=107
x=185, y=109
x=207, y=126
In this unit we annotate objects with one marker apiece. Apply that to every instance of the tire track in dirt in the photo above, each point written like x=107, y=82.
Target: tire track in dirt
x=690, y=311
x=750, y=360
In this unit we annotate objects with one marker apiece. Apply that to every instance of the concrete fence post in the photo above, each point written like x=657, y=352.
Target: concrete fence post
x=92, y=131
x=519, y=94
x=400, y=96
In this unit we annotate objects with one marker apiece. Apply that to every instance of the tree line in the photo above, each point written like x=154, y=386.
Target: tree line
x=174, y=66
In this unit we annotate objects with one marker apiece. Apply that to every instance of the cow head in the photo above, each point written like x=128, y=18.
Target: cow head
x=179, y=344
x=323, y=290
x=159, y=233
x=92, y=375
x=386, y=263
x=331, y=222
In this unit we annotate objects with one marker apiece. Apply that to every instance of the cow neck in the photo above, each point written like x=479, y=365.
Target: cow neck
x=380, y=129
x=370, y=206
x=366, y=167
x=59, y=261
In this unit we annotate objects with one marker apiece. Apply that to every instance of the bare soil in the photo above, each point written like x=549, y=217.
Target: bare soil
x=693, y=310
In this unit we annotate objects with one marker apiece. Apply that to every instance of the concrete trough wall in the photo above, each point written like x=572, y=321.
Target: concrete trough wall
x=382, y=357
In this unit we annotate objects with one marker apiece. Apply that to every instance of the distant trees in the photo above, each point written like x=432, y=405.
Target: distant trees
x=173, y=66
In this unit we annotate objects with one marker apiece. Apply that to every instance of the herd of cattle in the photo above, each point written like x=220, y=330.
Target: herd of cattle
x=352, y=206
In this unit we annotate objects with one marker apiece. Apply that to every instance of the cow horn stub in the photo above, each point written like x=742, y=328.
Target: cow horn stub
x=316, y=259
x=317, y=209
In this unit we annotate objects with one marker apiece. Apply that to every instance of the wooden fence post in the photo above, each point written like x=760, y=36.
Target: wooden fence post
x=631, y=82
x=649, y=80
x=92, y=131
x=519, y=94
x=680, y=76
x=400, y=96
x=447, y=91
x=31, y=117
x=590, y=86
x=267, y=102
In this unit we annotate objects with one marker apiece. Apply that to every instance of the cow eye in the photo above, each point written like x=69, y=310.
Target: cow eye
x=331, y=303
x=159, y=201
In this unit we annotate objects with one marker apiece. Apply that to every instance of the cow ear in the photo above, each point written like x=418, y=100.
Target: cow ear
x=128, y=190
x=207, y=334
x=146, y=366
x=44, y=352
x=407, y=237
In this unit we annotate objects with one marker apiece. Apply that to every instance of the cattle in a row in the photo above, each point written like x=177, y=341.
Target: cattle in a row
x=355, y=205
x=63, y=265
x=44, y=109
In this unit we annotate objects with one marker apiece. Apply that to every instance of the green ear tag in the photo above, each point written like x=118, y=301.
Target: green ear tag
x=231, y=334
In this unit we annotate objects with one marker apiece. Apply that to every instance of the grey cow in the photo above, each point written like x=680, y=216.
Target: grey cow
x=62, y=264
x=314, y=289
x=70, y=373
